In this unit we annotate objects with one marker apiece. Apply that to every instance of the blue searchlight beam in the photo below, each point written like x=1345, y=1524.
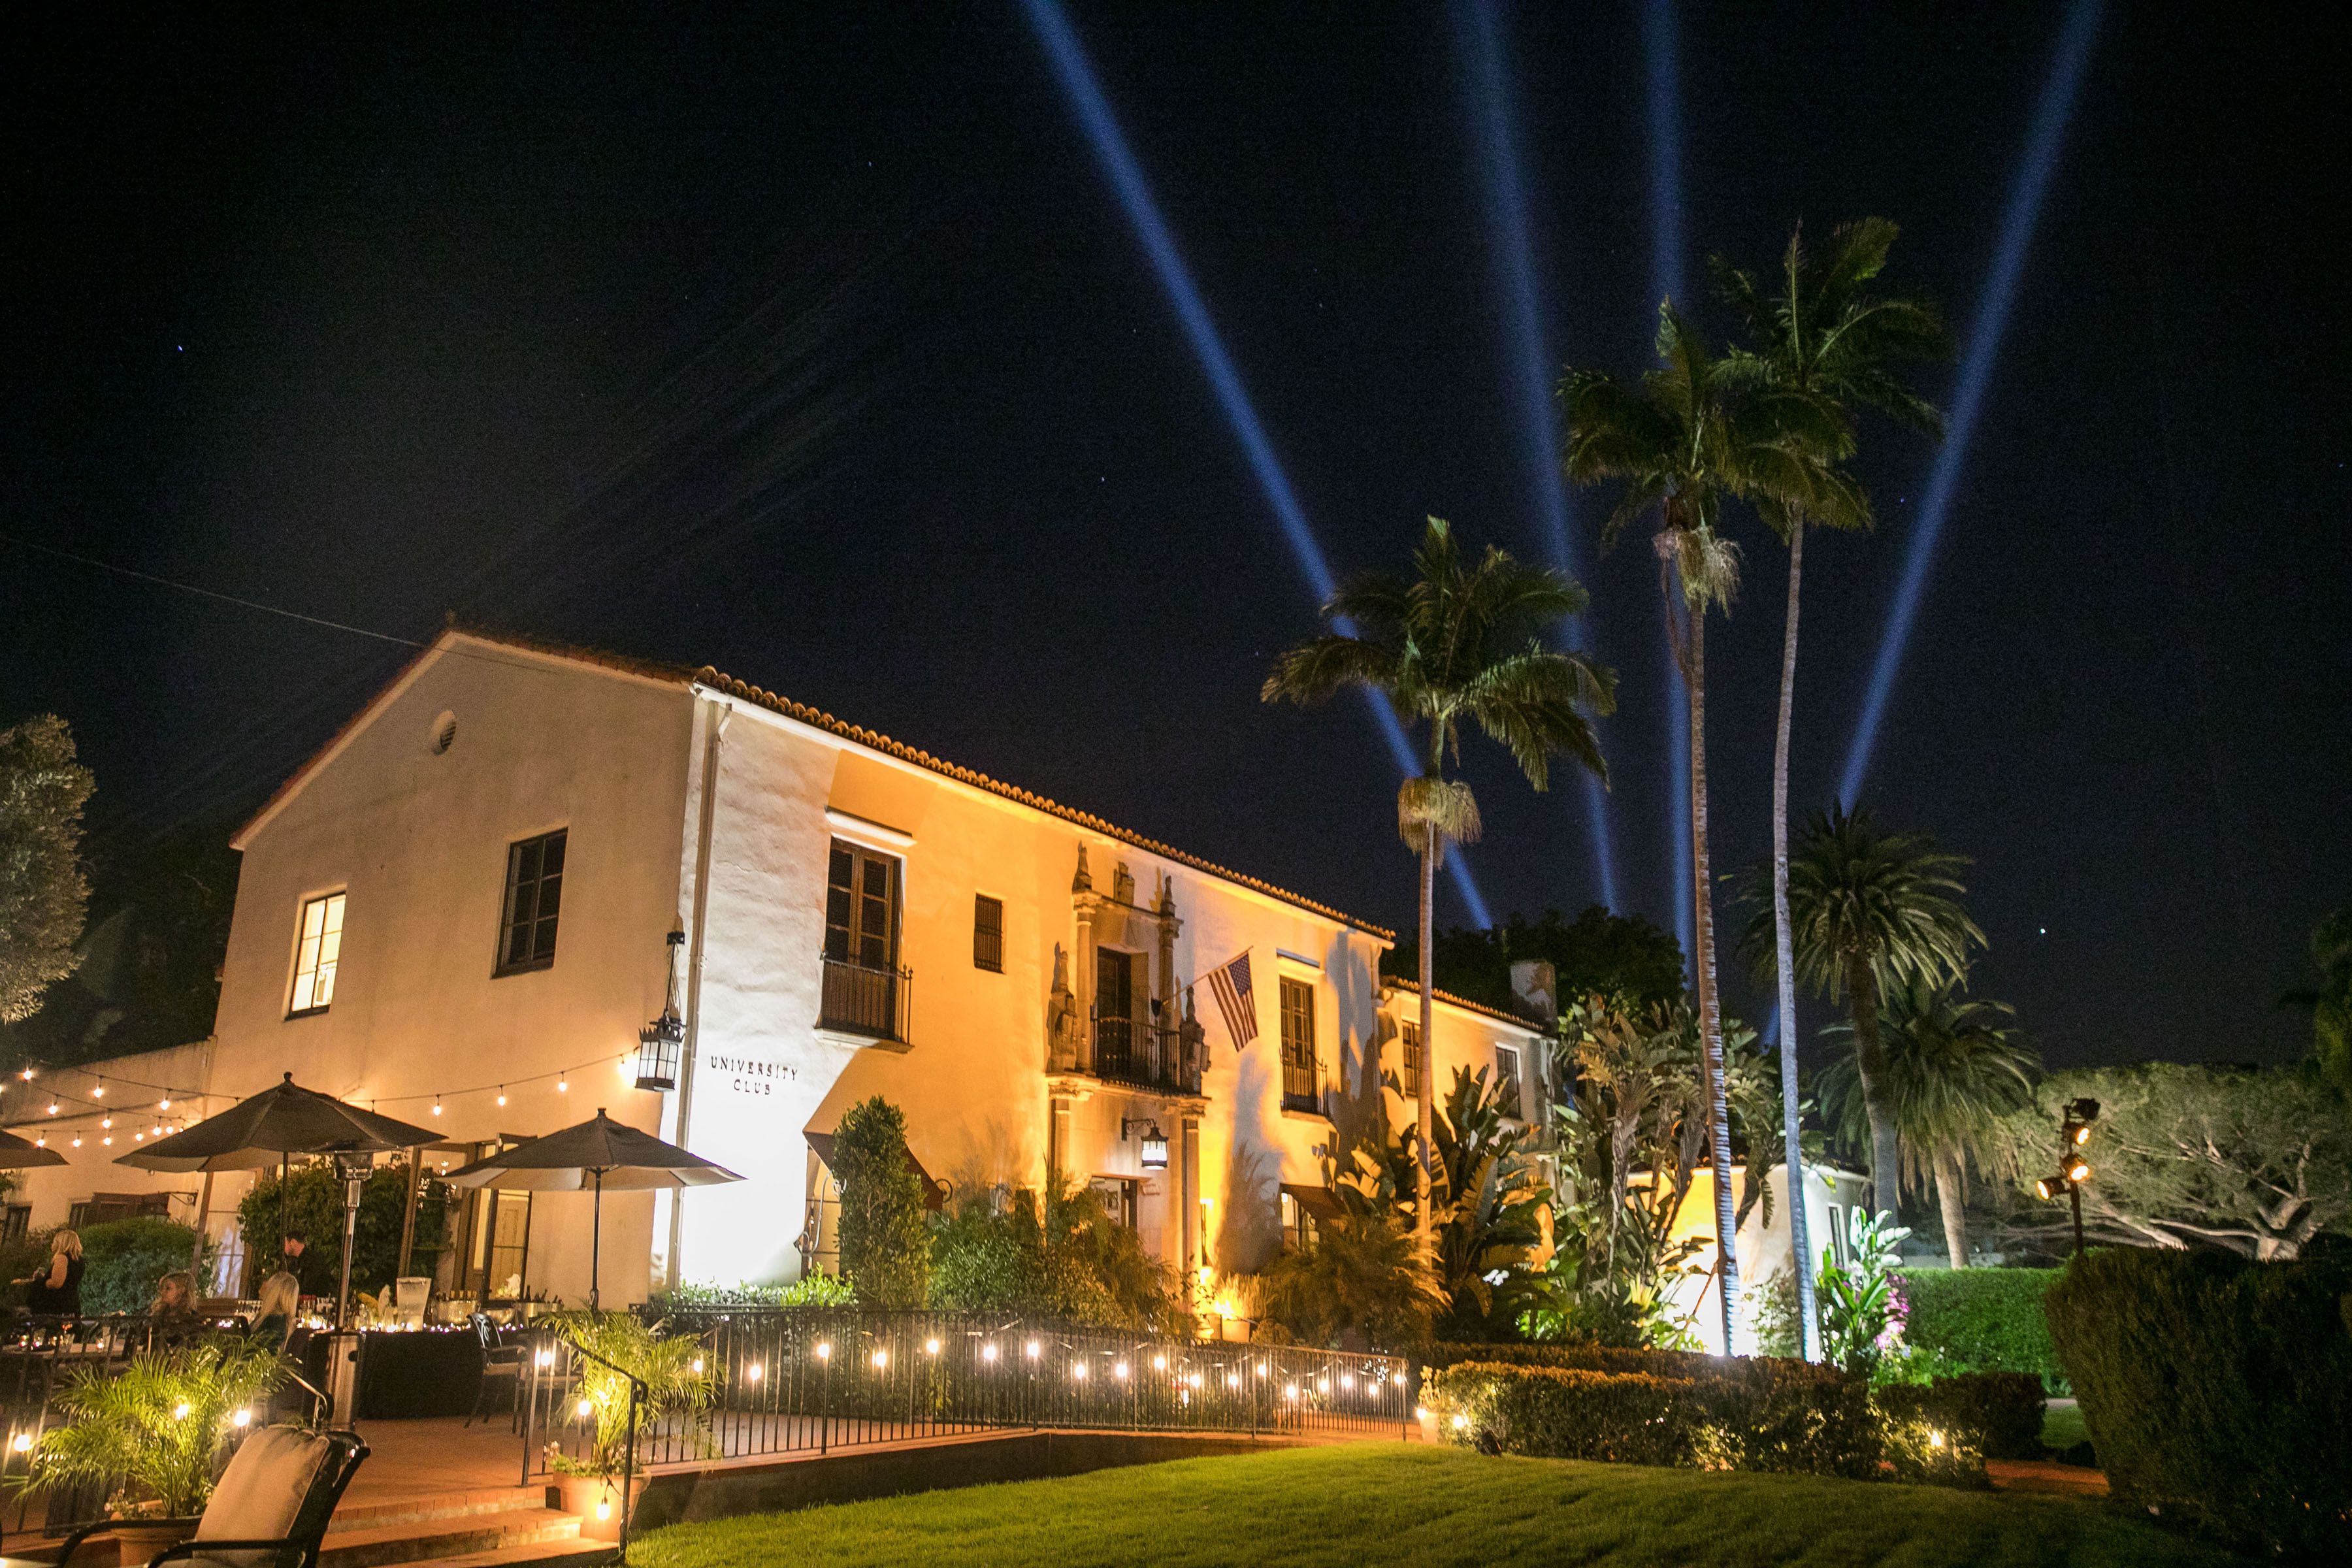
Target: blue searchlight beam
x=2050, y=117
x=1095, y=116
x=1661, y=51
x=1530, y=361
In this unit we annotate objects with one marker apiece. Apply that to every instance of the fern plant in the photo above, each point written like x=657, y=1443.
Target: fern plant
x=154, y=1431
x=671, y=1367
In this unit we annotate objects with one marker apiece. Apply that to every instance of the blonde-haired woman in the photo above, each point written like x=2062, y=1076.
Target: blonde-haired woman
x=57, y=1292
x=280, y=1307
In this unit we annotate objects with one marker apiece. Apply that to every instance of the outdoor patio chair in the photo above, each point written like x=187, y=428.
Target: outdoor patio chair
x=498, y=1361
x=270, y=1507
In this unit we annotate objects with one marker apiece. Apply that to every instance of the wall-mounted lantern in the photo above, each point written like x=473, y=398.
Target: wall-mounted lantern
x=1155, y=1142
x=660, y=1043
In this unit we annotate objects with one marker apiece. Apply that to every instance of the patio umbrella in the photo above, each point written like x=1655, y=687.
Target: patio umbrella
x=282, y=1121
x=597, y=1153
x=16, y=1154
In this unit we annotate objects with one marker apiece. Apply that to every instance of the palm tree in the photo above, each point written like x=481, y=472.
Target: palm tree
x=1685, y=440
x=1456, y=641
x=1869, y=908
x=1826, y=335
x=1954, y=1067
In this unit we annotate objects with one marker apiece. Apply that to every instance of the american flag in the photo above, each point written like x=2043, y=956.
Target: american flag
x=1231, y=983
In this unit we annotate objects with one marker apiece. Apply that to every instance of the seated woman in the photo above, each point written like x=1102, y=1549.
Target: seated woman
x=280, y=1309
x=176, y=1300
x=56, y=1290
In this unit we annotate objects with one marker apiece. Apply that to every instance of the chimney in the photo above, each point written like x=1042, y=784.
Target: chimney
x=1535, y=986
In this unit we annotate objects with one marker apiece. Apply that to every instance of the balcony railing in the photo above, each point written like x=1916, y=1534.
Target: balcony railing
x=1302, y=1084
x=861, y=1001
x=1138, y=1051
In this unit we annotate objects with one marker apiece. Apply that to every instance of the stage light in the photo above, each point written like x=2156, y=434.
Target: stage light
x=1983, y=345
x=1532, y=368
x=1077, y=80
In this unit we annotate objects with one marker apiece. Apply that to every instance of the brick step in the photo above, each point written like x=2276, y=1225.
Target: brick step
x=441, y=1505
x=547, y=1554
x=440, y=1540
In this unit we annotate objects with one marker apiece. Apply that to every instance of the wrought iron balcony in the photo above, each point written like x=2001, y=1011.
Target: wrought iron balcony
x=1139, y=1052
x=1302, y=1085
x=857, y=1000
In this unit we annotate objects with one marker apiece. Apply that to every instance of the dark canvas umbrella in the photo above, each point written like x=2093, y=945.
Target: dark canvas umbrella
x=282, y=1121
x=16, y=1154
x=597, y=1155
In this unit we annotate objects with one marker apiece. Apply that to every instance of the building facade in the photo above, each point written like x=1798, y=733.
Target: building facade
x=465, y=909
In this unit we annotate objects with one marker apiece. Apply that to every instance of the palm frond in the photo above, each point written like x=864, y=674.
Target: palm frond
x=1315, y=671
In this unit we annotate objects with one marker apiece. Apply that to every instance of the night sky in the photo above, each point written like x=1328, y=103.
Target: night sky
x=822, y=351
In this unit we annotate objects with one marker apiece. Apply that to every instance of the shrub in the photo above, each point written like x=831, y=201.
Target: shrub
x=123, y=1259
x=1071, y=1261
x=1754, y=1414
x=667, y=1367
x=314, y=1211
x=152, y=1428
x=886, y=1246
x=1594, y=1358
x=1358, y=1284
x=2217, y=1391
x=808, y=1290
x=1985, y=1319
x=1997, y=1412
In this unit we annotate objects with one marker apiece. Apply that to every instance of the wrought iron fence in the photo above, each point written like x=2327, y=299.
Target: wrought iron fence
x=862, y=1001
x=812, y=1380
x=1138, y=1051
x=39, y=1358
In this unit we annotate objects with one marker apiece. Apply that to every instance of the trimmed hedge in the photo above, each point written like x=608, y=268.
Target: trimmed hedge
x=1604, y=1358
x=1986, y=1320
x=2218, y=1392
x=1781, y=1416
x=1998, y=1413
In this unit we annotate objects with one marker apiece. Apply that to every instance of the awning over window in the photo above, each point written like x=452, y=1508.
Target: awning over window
x=1320, y=1202
x=934, y=1194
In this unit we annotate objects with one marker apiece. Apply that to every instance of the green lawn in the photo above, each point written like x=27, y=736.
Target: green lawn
x=1375, y=1504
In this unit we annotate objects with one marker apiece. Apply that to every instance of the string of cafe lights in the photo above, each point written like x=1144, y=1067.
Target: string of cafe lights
x=624, y=1063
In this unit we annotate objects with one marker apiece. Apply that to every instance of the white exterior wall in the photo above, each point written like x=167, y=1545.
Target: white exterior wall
x=1764, y=1250
x=418, y=844
x=132, y=1100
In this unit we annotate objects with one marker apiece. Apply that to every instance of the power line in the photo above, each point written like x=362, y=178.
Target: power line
x=206, y=592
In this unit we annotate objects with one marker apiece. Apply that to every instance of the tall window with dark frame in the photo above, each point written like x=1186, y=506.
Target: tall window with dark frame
x=1409, y=1062
x=1115, y=988
x=987, y=933
x=1506, y=1083
x=863, y=988
x=1300, y=1086
x=534, y=900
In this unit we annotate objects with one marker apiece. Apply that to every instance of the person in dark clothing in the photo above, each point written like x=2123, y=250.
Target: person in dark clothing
x=57, y=1292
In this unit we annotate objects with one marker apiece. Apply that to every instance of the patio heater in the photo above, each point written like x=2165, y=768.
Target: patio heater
x=353, y=1168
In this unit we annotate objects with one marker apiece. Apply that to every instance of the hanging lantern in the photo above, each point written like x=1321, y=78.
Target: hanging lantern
x=659, y=1042
x=1154, y=1156
x=658, y=1045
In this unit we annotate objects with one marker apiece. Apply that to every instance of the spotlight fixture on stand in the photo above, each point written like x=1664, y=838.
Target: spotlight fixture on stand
x=2073, y=1168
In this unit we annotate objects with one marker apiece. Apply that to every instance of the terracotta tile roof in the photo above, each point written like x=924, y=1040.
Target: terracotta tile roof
x=876, y=740
x=1412, y=988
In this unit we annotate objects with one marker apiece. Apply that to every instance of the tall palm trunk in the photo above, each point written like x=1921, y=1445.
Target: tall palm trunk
x=1687, y=640
x=1948, y=1192
x=1710, y=1015
x=1870, y=1066
x=1424, y=1090
x=1784, y=949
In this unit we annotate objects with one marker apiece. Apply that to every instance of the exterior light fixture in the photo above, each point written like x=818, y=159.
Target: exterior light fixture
x=1935, y=1439
x=26, y=1072
x=752, y=1372
x=22, y=1442
x=99, y=1092
x=881, y=1360
x=2074, y=1170
x=604, y=1508
x=437, y=1105
x=697, y=1366
x=1119, y=1372
x=2080, y=1171
x=546, y=1358
x=106, y=1122
x=562, y=1083
x=1030, y=1350
x=76, y=1142
x=139, y=1137
x=1078, y=1370
x=987, y=1350
x=825, y=1350
x=585, y=1408
x=107, y=1142
x=931, y=1347
x=502, y=1094
x=1160, y=1363
x=660, y=1043
x=180, y=1411
x=1461, y=1423
x=1232, y=1380
x=1155, y=1142
x=53, y=1108
x=41, y=1140
x=164, y=1103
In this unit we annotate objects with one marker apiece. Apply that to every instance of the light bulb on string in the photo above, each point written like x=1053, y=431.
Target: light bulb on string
x=164, y=1103
x=502, y=1094
x=76, y=1142
x=99, y=1092
x=437, y=1105
x=562, y=1084
x=53, y=1108
x=108, y=1142
x=106, y=1122
x=26, y=1072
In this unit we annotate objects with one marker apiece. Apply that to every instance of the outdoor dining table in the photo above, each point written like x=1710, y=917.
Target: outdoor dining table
x=405, y=1373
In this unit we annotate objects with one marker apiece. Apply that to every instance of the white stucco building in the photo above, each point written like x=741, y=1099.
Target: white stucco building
x=460, y=911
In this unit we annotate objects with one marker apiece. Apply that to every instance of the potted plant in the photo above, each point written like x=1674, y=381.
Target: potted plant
x=155, y=1433
x=590, y=1482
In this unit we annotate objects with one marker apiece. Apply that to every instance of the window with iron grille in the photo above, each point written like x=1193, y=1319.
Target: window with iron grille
x=534, y=900
x=1300, y=1085
x=1117, y=1197
x=317, y=955
x=1507, y=1082
x=987, y=933
x=1409, y=1059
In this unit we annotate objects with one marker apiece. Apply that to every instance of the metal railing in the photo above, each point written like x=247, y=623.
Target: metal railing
x=1302, y=1084
x=1138, y=1051
x=857, y=1000
x=812, y=1380
x=39, y=1358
